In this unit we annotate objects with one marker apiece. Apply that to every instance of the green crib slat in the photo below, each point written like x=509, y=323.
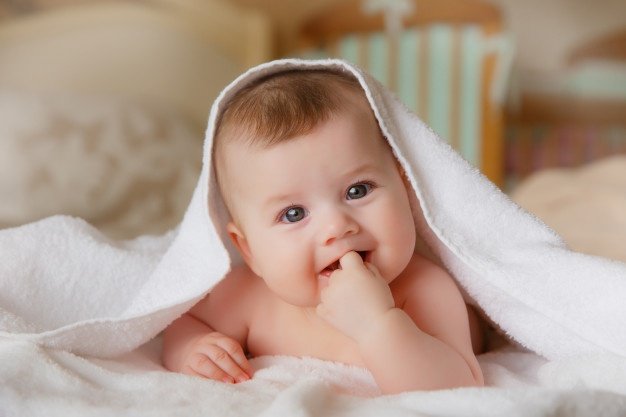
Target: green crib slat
x=440, y=57
x=378, y=57
x=470, y=99
x=349, y=49
x=424, y=73
x=408, y=69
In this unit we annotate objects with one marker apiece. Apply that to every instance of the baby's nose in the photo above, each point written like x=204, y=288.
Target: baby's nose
x=336, y=225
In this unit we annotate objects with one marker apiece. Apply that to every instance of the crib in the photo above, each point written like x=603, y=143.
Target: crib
x=448, y=61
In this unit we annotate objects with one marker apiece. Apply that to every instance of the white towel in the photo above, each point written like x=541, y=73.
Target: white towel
x=36, y=381
x=63, y=285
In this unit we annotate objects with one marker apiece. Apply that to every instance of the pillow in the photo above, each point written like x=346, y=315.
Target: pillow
x=585, y=205
x=129, y=168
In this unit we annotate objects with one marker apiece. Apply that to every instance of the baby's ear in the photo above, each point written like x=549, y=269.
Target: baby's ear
x=404, y=176
x=240, y=242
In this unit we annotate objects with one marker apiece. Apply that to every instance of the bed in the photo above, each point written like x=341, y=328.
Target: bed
x=70, y=155
x=585, y=205
x=84, y=86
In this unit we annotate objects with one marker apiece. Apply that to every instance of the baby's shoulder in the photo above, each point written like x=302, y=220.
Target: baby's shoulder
x=422, y=279
x=240, y=285
x=234, y=295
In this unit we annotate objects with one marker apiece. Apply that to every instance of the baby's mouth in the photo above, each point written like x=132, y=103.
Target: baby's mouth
x=335, y=265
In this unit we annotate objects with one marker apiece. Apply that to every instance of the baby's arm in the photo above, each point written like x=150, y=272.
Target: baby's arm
x=423, y=344
x=426, y=343
x=194, y=344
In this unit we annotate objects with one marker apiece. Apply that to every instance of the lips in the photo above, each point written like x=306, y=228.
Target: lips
x=335, y=265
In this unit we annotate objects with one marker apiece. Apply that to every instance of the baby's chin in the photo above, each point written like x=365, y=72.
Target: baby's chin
x=310, y=299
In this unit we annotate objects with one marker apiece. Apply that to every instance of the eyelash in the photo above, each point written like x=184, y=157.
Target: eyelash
x=371, y=184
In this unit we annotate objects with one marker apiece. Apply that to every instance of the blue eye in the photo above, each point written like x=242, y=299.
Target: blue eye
x=357, y=191
x=293, y=214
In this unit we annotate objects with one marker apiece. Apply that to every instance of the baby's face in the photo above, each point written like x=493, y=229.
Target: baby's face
x=302, y=204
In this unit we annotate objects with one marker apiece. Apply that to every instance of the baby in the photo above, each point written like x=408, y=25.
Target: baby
x=320, y=213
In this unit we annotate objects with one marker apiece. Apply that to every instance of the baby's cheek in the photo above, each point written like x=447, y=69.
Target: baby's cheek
x=397, y=223
x=406, y=223
x=289, y=272
x=401, y=244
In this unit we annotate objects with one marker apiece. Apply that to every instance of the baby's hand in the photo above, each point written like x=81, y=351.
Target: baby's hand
x=217, y=357
x=355, y=297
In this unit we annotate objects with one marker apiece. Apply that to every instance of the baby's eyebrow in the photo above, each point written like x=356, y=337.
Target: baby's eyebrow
x=365, y=167
x=275, y=199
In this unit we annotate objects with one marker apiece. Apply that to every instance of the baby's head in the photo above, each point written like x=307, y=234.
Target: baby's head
x=278, y=108
x=307, y=176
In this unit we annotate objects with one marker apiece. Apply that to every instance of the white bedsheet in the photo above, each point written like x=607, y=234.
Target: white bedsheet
x=36, y=381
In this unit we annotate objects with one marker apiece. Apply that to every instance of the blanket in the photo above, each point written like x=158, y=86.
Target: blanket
x=38, y=381
x=69, y=295
x=585, y=205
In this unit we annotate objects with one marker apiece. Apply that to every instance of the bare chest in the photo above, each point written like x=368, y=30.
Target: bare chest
x=287, y=330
